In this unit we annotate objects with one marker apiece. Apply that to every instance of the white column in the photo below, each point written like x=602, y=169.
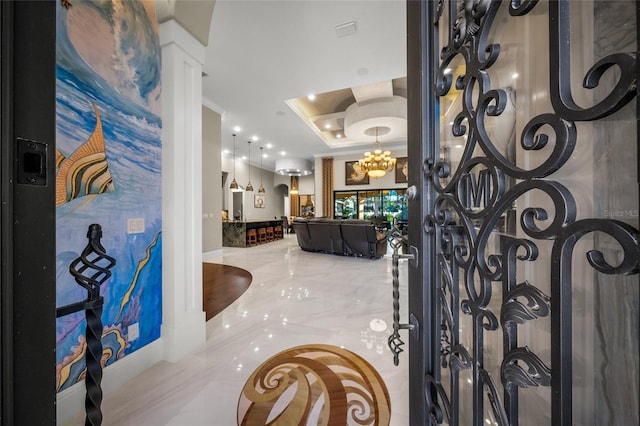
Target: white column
x=183, y=328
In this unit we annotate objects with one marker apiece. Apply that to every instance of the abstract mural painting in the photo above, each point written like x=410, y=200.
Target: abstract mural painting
x=108, y=140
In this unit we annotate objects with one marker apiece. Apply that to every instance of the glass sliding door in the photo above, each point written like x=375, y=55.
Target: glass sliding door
x=382, y=205
x=369, y=204
x=345, y=205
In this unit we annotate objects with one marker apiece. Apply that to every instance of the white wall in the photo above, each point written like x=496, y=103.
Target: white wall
x=211, y=181
x=306, y=185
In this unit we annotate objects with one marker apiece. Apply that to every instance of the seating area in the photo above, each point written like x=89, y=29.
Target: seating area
x=345, y=237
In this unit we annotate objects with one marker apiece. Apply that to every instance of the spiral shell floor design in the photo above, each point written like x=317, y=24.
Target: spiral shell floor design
x=314, y=385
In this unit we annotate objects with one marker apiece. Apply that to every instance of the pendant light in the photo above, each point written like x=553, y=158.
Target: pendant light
x=249, y=186
x=234, y=184
x=261, y=189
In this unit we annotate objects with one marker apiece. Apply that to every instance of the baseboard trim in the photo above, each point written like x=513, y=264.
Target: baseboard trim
x=70, y=402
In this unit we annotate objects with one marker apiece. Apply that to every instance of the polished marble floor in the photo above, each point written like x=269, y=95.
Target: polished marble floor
x=296, y=298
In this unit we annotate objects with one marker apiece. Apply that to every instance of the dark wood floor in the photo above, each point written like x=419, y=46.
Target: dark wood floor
x=221, y=286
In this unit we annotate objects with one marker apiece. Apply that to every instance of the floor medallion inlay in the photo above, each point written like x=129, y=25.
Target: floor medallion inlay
x=314, y=385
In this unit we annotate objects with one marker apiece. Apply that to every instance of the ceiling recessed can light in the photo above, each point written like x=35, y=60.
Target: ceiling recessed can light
x=254, y=138
x=311, y=97
x=283, y=153
x=269, y=146
x=327, y=126
x=237, y=129
x=339, y=135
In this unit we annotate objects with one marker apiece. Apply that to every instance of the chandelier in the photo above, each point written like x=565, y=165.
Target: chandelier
x=378, y=163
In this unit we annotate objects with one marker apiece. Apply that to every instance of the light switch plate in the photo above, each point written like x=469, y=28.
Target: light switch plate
x=133, y=332
x=135, y=225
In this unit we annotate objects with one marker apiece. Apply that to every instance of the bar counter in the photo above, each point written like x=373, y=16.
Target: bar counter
x=234, y=232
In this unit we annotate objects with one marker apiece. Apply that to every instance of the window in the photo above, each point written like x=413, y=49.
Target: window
x=379, y=204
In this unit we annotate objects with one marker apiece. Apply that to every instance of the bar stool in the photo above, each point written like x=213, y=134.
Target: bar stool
x=252, y=237
x=270, y=233
x=277, y=232
x=262, y=235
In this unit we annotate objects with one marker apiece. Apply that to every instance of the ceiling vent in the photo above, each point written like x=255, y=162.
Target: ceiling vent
x=346, y=29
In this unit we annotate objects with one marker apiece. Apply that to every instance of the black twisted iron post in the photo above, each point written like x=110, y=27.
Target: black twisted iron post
x=90, y=271
x=396, y=240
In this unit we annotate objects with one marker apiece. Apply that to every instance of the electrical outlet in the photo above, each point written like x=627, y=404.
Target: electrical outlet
x=133, y=332
x=135, y=226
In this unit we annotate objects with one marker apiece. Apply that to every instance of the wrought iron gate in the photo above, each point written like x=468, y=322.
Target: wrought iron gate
x=532, y=232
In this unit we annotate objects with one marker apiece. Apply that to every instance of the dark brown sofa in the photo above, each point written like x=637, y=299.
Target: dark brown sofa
x=342, y=237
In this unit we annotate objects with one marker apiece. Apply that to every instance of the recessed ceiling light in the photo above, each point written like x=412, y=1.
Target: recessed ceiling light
x=311, y=97
x=237, y=129
x=283, y=153
x=264, y=155
x=339, y=136
x=254, y=138
x=269, y=146
x=327, y=126
x=244, y=157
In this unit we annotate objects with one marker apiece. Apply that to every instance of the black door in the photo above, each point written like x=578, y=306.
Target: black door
x=523, y=148
x=27, y=225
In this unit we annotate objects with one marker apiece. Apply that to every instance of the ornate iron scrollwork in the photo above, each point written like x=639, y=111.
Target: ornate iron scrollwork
x=476, y=196
x=90, y=270
x=396, y=241
x=538, y=305
x=513, y=374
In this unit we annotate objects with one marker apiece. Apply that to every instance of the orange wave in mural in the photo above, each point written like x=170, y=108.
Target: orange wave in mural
x=86, y=171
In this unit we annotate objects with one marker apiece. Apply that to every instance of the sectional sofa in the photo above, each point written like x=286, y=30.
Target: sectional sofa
x=346, y=237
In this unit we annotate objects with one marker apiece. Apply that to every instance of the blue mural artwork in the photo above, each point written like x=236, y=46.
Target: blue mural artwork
x=108, y=139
